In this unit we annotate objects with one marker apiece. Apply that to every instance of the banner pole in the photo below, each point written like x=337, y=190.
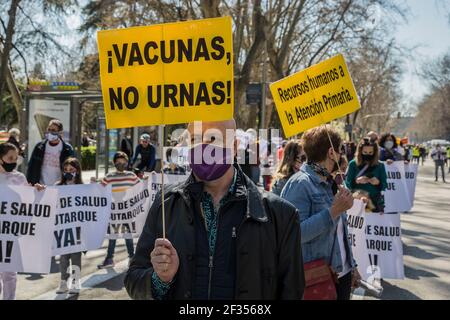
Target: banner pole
x=161, y=143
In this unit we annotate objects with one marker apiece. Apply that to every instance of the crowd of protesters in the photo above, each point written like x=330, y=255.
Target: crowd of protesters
x=273, y=229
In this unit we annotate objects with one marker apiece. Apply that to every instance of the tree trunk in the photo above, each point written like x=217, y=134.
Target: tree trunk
x=7, y=46
x=244, y=76
x=210, y=8
x=269, y=111
x=15, y=92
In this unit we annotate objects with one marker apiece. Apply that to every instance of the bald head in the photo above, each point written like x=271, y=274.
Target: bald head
x=218, y=132
x=220, y=125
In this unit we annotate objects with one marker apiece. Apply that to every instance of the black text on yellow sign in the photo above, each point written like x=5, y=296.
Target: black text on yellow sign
x=167, y=73
x=314, y=96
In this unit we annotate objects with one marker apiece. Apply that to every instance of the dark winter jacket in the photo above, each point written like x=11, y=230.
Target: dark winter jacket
x=37, y=158
x=148, y=157
x=268, y=259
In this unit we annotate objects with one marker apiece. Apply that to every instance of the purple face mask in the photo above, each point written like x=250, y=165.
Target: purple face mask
x=210, y=162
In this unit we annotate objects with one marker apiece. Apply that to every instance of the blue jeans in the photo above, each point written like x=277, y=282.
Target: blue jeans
x=112, y=248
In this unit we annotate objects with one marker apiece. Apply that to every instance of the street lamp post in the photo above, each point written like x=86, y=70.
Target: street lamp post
x=263, y=91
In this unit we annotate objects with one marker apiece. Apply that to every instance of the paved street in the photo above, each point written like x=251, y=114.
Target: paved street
x=426, y=242
x=426, y=237
x=105, y=284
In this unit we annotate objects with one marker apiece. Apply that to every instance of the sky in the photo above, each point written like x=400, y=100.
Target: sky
x=428, y=32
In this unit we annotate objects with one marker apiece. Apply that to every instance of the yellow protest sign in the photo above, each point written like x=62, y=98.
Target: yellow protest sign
x=314, y=96
x=168, y=73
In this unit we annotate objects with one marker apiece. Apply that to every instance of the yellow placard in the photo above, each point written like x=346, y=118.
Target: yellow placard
x=314, y=96
x=168, y=73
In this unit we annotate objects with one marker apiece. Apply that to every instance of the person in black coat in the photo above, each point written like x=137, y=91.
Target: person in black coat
x=126, y=145
x=147, y=152
x=41, y=167
x=225, y=239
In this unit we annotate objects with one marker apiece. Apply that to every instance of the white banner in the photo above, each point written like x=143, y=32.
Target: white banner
x=357, y=238
x=396, y=196
x=129, y=210
x=27, y=219
x=411, y=180
x=376, y=243
x=384, y=244
x=82, y=218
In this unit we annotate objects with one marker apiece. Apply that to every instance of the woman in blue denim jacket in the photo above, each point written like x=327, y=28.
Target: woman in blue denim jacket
x=322, y=206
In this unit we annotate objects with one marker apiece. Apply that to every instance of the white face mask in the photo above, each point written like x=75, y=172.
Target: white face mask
x=389, y=144
x=52, y=137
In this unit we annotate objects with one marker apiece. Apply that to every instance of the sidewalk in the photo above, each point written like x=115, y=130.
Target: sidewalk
x=43, y=287
x=426, y=243
x=425, y=235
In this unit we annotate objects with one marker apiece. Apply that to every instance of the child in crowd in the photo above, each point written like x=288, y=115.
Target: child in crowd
x=120, y=180
x=70, y=175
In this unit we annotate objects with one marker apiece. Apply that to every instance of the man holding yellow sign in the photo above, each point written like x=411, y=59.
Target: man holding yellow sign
x=167, y=73
x=179, y=73
x=314, y=96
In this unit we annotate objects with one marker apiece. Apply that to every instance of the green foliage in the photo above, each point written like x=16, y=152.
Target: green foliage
x=8, y=114
x=88, y=157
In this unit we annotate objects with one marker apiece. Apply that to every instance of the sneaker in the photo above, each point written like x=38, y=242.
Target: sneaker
x=62, y=287
x=75, y=288
x=106, y=264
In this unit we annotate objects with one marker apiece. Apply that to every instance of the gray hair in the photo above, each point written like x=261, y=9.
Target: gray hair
x=14, y=132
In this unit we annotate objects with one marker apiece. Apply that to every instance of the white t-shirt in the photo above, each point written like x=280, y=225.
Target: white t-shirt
x=346, y=268
x=13, y=178
x=51, y=171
